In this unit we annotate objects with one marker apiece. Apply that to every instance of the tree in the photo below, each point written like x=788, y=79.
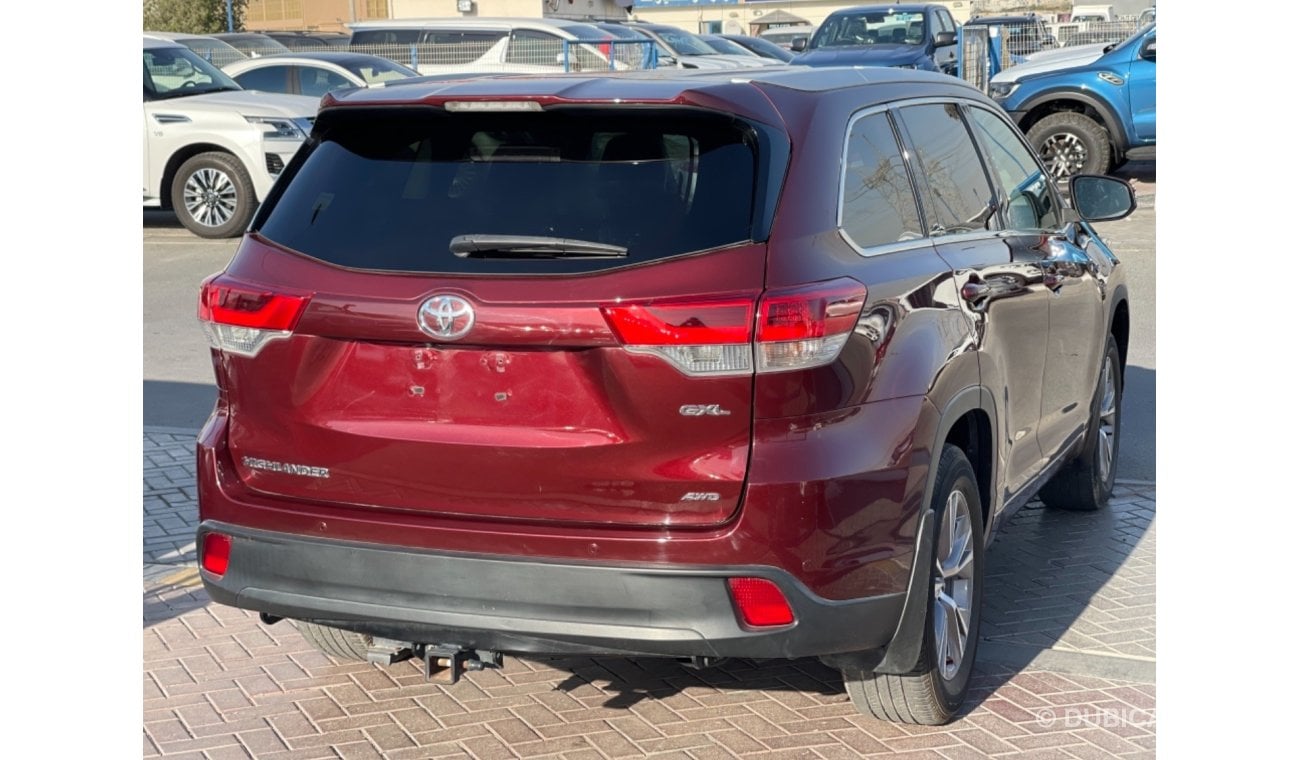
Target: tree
x=191, y=16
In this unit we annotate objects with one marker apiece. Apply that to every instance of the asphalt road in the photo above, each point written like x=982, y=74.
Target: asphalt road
x=178, y=389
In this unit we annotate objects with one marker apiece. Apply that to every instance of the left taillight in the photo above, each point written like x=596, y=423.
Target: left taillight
x=241, y=319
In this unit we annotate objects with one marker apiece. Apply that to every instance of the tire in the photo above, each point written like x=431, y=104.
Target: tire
x=1086, y=482
x=933, y=691
x=213, y=196
x=335, y=642
x=1070, y=143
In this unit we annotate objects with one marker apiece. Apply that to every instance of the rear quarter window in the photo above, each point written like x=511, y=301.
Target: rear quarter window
x=389, y=190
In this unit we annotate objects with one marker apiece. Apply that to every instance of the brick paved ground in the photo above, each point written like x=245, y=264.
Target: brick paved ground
x=1066, y=668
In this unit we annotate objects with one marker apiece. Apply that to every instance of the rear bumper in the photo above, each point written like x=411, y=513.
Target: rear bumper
x=535, y=607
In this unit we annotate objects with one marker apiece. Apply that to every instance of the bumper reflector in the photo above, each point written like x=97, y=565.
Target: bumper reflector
x=760, y=602
x=216, y=553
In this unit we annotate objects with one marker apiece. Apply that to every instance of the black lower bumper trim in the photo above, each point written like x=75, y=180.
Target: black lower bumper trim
x=533, y=607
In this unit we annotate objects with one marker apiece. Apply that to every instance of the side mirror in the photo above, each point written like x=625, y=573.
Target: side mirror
x=1101, y=199
x=799, y=44
x=1148, y=51
x=945, y=38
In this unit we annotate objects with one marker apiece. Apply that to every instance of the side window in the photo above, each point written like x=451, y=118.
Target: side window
x=443, y=47
x=878, y=206
x=1025, y=191
x=316, y=82
x=958, y=198
x=268, y=79
x=534, y=48
x=946, y=24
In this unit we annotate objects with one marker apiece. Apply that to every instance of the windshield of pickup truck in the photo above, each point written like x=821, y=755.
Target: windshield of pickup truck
x=177, y=72
x=871, y=28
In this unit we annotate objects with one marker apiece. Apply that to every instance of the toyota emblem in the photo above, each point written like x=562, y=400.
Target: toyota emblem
x=446, y=317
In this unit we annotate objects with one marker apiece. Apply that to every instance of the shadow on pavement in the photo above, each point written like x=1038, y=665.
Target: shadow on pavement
x=159, y=219
x=178, y=405
x=1137, y=445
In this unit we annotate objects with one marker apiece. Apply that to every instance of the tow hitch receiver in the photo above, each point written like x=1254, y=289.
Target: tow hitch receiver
x=445, y=663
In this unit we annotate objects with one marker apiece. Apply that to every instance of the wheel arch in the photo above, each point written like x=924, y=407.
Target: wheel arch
x=1094, y=107
x=184, y=154
x=1119, y=325
x=968, y=418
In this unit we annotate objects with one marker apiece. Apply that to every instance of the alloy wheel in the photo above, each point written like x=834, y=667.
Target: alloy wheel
x=1064, y=153
x=210, y=197
x=953, y=585
x=1106, y=422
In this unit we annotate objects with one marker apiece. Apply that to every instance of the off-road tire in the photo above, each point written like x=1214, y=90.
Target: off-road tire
x=1080, y=485
x=1091, y=137
x=924, y=696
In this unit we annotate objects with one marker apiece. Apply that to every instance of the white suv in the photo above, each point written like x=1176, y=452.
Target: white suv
x=211, y=149
x=477, y=44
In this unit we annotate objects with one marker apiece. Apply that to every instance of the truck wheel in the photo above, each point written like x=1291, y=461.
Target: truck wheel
x=933, y=692
x=335, y=642
x=213, y=195
x=1070, y=143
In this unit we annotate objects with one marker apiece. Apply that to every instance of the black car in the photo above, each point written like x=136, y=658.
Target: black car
x=298, y=40
x=765, y=48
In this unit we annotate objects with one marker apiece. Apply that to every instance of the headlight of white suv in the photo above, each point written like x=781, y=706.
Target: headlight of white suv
x=278, y=128
x=1002, y=90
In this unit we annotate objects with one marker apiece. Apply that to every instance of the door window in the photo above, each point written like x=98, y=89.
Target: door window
x=1025, y=193
x=957, y=195
x=316, y=82
x=268, y=79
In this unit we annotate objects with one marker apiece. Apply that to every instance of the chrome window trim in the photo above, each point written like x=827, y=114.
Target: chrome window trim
x=875, y=250
x=922, y=242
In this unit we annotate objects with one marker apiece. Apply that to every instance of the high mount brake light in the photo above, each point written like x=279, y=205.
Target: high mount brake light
x=796, y=328
x=241, y=320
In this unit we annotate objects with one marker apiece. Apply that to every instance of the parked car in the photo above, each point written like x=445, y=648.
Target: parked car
x=304, y=40
x=214, y=51
x=784, y=36
x=687, y=366
x=1090, y=113
x=212, y=150
x=450, y=45
x=252, y=44
x=1090, y=13
x=903, y=36
x=1022, y=35
x=765, y=48
x=315, y=73
x=688, y=50
x=725, y=46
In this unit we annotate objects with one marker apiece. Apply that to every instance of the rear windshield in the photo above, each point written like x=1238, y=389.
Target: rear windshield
x=388, y=190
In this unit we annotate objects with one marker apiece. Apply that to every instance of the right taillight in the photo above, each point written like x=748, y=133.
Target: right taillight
x=791, y=329
x=241, y=320
x=804, y=327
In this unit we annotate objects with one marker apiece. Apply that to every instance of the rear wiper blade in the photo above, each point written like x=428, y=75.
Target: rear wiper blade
x=532, y=246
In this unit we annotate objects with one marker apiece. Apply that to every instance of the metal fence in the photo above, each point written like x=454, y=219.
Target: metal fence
x=1092, y=32
x=504, y=55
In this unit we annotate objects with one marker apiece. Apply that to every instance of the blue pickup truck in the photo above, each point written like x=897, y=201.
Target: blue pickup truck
x=1086, y=111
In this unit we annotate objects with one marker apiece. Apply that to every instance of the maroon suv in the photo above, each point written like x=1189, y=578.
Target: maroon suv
x=662, y=364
